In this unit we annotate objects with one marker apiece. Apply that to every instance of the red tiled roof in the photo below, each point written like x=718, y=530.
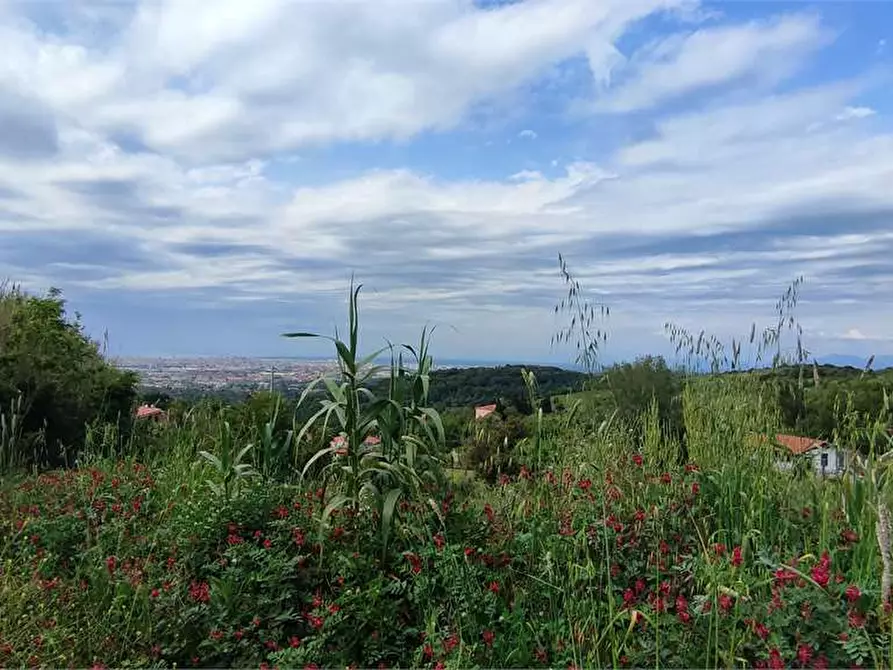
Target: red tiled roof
x=341, y=441
x=484, y=410
x=145, y=411
x=798, y=445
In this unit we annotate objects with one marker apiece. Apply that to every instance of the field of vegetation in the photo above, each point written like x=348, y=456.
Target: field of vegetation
x=655, y=532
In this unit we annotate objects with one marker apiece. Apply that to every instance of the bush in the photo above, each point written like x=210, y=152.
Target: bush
x=490, y=450
x=55, y=380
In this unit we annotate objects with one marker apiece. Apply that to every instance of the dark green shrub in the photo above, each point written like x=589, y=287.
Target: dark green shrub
x=62, y=379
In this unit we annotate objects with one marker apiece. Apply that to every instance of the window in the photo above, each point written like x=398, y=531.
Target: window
x=824, y=461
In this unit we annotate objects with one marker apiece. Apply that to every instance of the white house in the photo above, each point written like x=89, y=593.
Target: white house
x=827, y=459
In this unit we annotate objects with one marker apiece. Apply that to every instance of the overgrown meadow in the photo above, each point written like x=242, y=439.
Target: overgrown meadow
x=210, y=542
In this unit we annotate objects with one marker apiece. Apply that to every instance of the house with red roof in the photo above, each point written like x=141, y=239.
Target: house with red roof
x=827, y=459
x=150, y=412
x=483, y=411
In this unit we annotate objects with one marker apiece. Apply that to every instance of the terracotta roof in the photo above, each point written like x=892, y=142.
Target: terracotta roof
x=484, y=410
x=341, y=441
x=145, y=411
x=799, y=445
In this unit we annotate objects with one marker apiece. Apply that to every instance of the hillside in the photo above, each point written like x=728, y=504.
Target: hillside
x=463, y=387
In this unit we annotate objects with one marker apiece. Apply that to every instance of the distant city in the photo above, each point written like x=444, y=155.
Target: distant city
x=240, y=373
x=230, y=373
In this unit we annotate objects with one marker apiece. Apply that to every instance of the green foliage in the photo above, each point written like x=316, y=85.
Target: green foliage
x=635, y=386
x=590, y=542
x=492, y=447
x=390, y=445
x=62, y=379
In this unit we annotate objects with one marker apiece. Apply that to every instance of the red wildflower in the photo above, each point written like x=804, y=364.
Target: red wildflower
x=215, y=635
x=298, y=536
x=695, y=488
x=238, y=635
x=736, y=557
x=665, y=478
x=638, y=460
x=725, y=602
x=849, y=536
x=820, y=663
x=415, y=561
x=719, y=548
x=494, y=587
x=488, y=637
x=585, y=484
x=856, y=620
x=334, y=608
x=804, y=654
x=294, y=642
x=853, y=593
x=267, y=543
x=155, y=593
x=271, y=645
x=758, y=628
x=111, y=563
x=200, y=592
x=821, y=572
x=488, y=510
x=439, y=541
x=233, y=539
x=776, y=662
x=629, y=598
x=469, y=552
x=428, y=651
x=315, y=621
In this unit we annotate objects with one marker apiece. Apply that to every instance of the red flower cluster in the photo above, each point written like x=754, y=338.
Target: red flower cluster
x=821, y=572
x=200, y=592
x=414, y=561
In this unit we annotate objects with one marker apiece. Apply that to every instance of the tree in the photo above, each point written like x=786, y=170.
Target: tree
x=634, y=386
x=55, y=379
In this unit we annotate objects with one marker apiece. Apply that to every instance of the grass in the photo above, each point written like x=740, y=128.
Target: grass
x=212, y=542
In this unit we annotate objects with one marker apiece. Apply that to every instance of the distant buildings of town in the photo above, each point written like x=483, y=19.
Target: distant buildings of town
x=231, y=373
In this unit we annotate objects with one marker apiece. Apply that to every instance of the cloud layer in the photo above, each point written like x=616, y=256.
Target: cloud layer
x=200, y=178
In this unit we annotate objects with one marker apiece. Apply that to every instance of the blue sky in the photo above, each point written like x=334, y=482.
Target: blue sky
x=199, y=177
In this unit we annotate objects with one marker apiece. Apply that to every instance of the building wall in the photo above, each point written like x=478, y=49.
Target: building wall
x=835, y=460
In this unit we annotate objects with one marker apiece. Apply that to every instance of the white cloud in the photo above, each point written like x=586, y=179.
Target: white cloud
x=667, y=68
x=853, y=334
x=229, y=80
x=527, y=134
x=215, y=96
x=855, y=113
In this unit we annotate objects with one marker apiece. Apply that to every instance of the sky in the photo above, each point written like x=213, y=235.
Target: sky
x=200, y=177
